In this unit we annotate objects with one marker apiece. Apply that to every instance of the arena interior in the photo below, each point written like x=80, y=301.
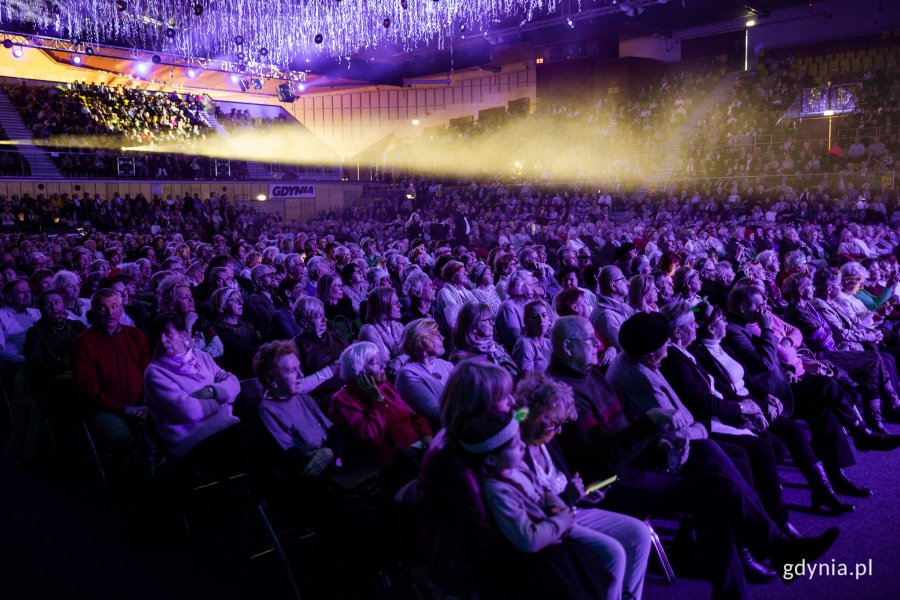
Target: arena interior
x=449, y=299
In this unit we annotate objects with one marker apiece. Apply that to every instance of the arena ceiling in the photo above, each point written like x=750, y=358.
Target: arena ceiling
x=379, y=41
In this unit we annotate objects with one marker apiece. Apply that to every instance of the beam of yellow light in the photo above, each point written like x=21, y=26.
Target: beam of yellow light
x=536, y=146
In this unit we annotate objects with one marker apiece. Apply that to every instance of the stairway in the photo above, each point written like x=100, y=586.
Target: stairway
x=671, y=148
x=254, y=170
x=41, y=165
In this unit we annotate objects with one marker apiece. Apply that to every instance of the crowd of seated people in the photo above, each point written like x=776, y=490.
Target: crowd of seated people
x=236, y=118
x=495, y=349
x=747, y=135
x=623, y=137
x=67, y=115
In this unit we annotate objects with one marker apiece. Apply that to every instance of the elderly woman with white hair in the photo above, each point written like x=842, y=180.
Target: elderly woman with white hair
x=69, y=284
x=381, y=427
x=420, y=294
x=421, y=380
x=853, y=278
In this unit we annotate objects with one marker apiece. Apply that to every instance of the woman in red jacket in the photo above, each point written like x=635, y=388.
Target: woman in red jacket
x=382, y=429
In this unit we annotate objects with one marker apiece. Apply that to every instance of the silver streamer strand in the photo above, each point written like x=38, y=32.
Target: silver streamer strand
x=286, y=29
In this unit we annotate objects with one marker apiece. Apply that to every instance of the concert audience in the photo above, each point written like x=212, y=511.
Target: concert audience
x=732, y=386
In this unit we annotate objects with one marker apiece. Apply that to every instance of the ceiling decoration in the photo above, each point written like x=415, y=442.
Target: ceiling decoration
x=273, y=32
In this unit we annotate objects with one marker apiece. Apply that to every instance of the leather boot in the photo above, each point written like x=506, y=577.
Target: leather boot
x=873, y=415
x=865, y=439
x=842, y=485
x=786, y=551
x=892, y=414
x=755, y=572
x=822, y=492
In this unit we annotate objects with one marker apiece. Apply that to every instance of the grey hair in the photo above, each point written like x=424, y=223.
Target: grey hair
x=59, y=280
x=854, y=269
x=355, y=358
x=313, y=265
x=415, y=284
x=794, y=258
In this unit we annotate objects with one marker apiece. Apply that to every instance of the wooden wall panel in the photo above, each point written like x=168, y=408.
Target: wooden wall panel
x=329, y=196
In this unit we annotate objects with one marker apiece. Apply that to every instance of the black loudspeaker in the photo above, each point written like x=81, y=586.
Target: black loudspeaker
x=286, y=92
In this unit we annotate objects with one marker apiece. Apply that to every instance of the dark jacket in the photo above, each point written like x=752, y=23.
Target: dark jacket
x=601, y=440
x=283, y=326
x=259, y=311
x=759, y=357
x=692, y=384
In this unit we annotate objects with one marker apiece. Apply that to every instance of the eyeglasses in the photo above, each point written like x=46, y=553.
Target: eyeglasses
x=623, y=278
x=593, y=341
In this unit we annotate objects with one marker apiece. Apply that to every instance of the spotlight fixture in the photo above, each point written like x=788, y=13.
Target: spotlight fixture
x=191, y=73
x=7, y=44
x=319, y=38
x=462, y=28
x=245, y=84
x=238, y=40
x=300, y=87
x=170, y=32
x=570, y=23
x=386, y=23
x=17, y=51
x=257, y=83
x=156, y=59
x=263, y=51
x=285, y=92
x=235, y=79
x=121, y=5
x=142, y=68
x=751, y=22
x=415, y=122
x=89, y=51
x=76, y=59
x=198, y=9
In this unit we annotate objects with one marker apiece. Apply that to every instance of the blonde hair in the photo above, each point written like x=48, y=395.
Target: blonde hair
x=305, y=308
x=413, y=335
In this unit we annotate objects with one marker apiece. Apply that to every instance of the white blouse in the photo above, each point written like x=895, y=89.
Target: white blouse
x=732, y=367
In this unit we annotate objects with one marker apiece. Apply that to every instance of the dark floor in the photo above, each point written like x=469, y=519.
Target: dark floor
x=71, y=541
x=870, y=533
